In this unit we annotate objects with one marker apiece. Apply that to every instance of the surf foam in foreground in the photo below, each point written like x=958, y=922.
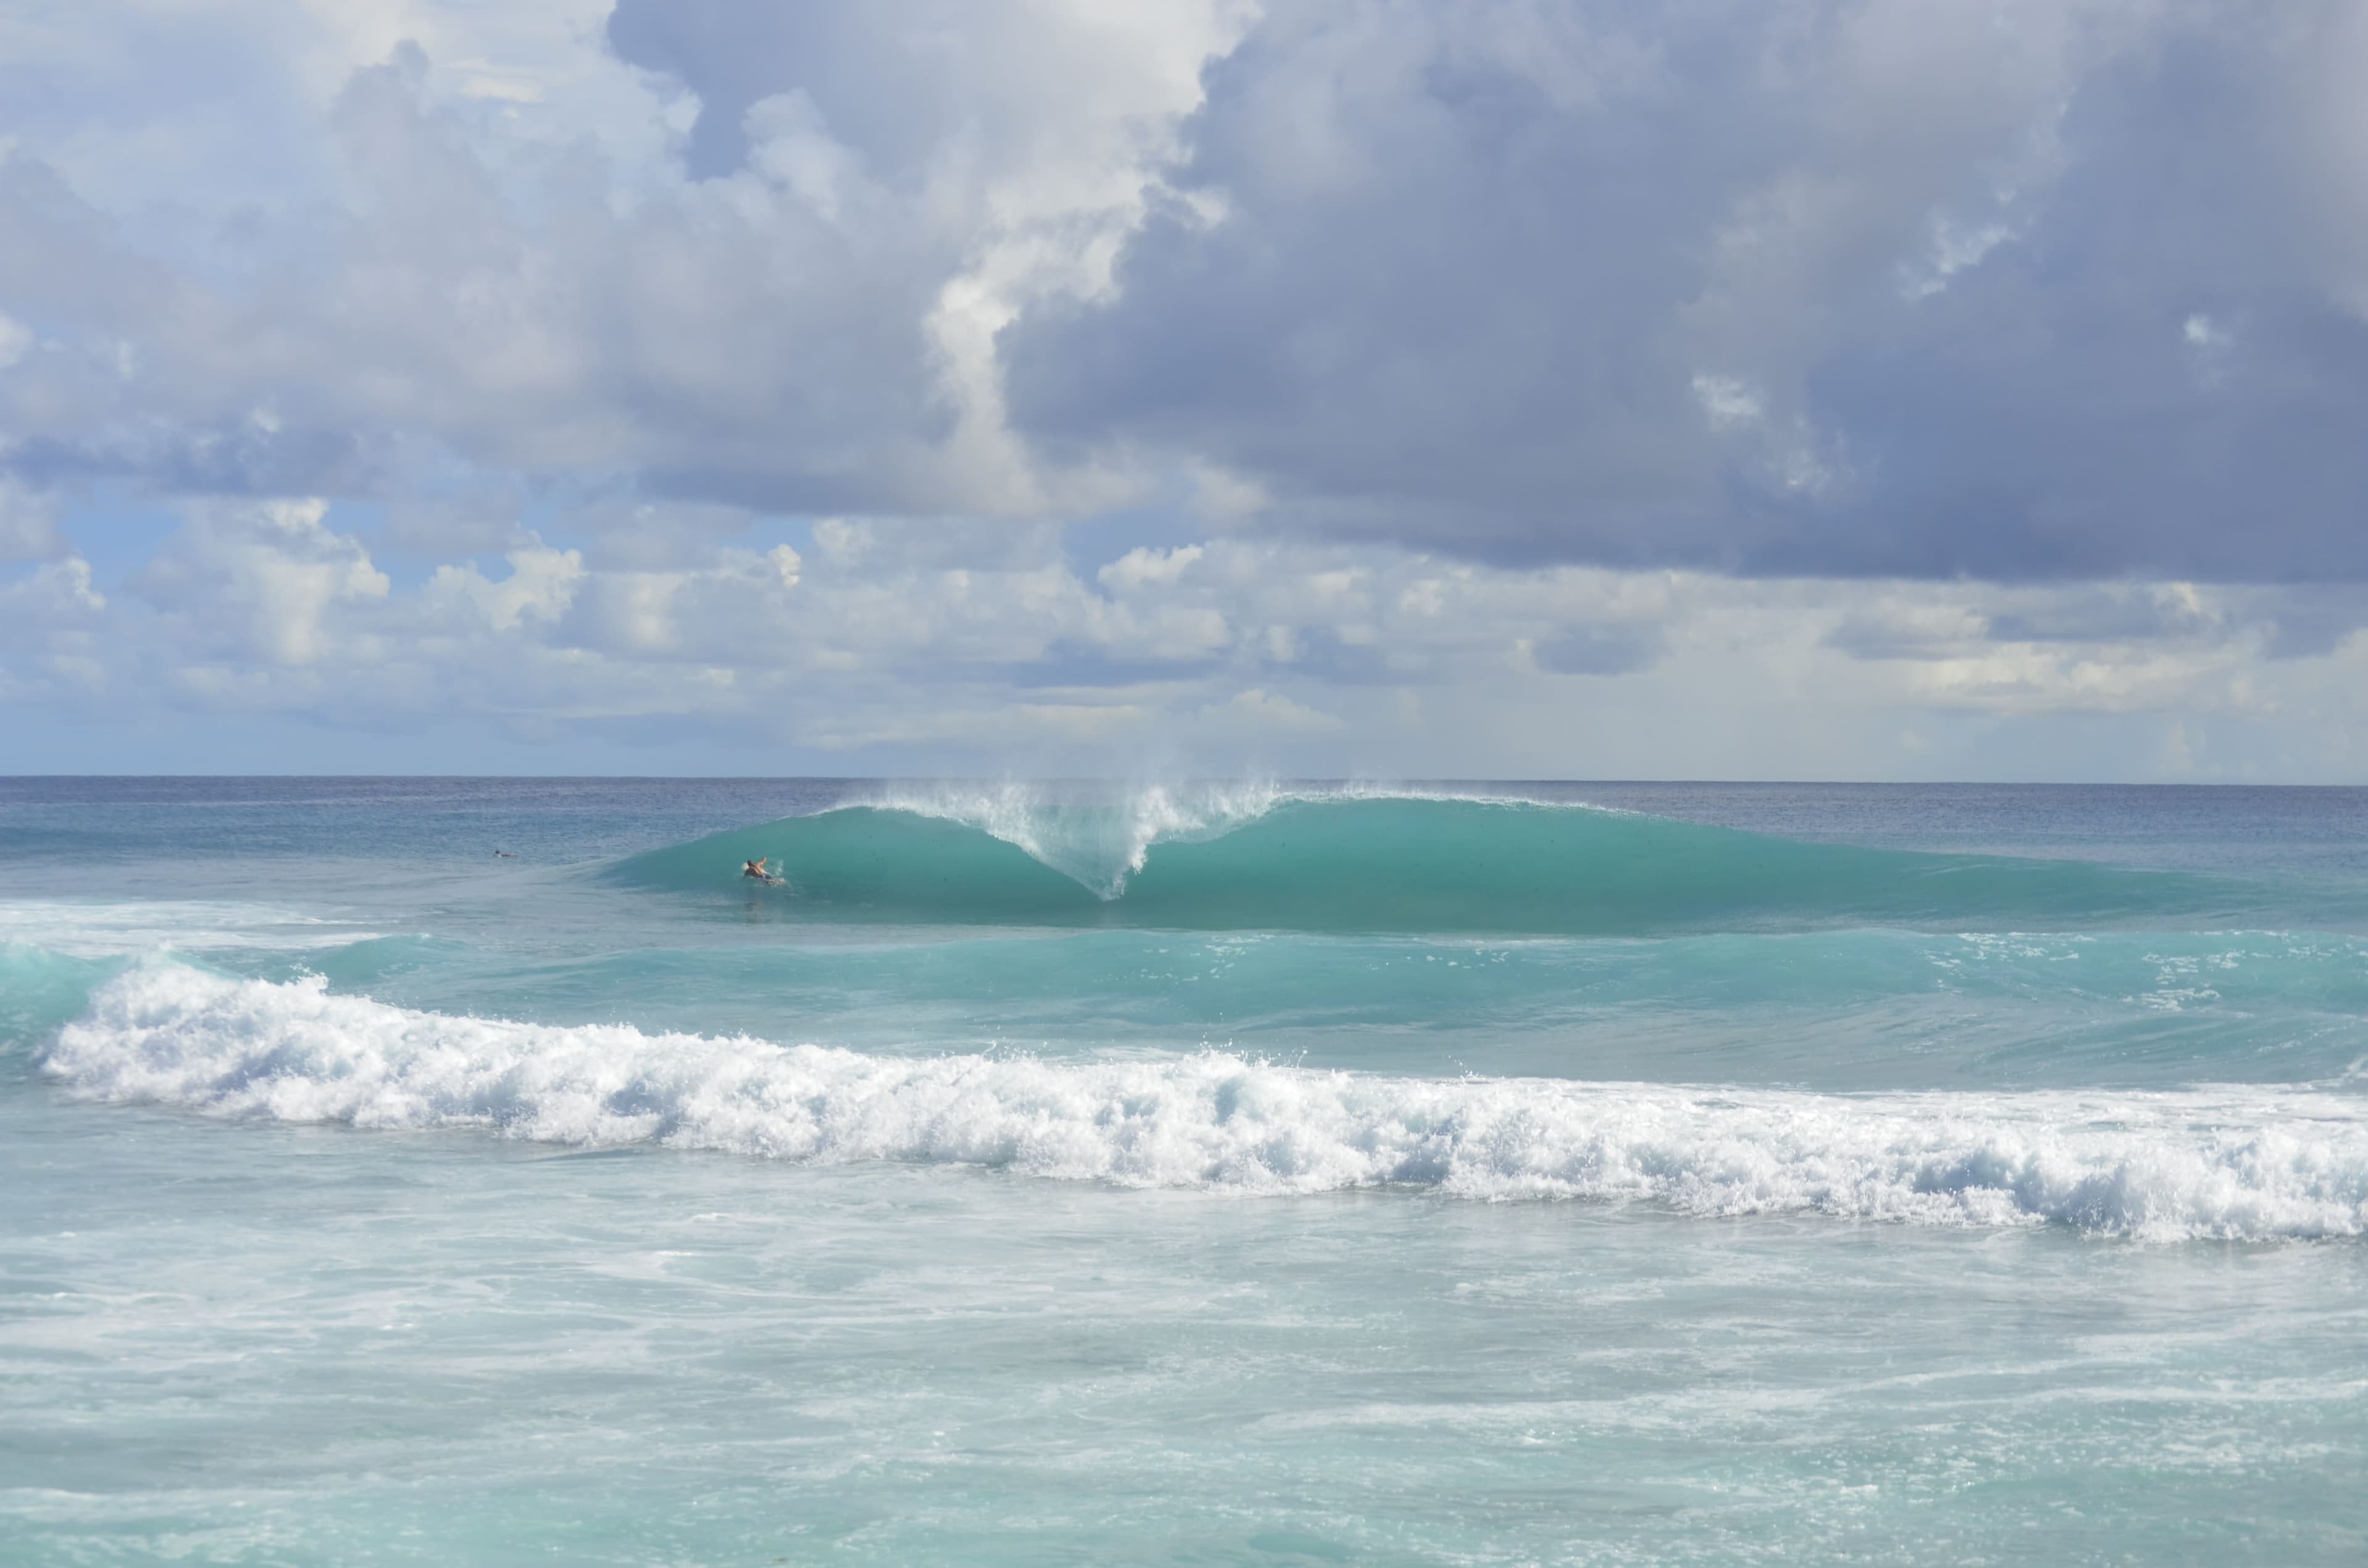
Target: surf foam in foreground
x=2237, y=1163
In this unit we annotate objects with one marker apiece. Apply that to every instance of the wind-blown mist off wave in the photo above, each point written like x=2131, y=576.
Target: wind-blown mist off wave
x=1260, y=858
x=1099, y=841
x=2228, y=1162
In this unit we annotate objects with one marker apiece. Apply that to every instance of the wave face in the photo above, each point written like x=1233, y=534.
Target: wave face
x=39, y=990
x=1250, y=860
x=2225, y=1162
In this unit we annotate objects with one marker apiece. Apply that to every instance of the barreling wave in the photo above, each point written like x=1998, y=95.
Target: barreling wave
x=1266, y=858
x=2228, y=1162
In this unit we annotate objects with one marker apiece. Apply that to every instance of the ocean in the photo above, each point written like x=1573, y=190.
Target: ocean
x=480, y=1171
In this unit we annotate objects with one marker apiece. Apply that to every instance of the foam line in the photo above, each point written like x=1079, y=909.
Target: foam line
x=2230, y=1163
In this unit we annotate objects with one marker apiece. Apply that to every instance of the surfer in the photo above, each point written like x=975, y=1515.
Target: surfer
x=755, y=871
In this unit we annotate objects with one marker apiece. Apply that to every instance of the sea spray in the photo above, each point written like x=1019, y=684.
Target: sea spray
x=1097, y=837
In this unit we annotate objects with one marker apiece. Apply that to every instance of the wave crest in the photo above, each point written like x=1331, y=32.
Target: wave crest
x=2233, y=1164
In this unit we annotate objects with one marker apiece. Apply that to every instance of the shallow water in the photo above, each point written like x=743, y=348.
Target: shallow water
x=1924, y=1198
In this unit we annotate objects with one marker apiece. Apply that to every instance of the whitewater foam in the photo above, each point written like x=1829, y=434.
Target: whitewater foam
x=2225, y=1162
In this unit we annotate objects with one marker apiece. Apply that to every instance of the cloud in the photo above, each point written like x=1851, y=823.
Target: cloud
x=1141, y=567
x=541, y=587
x=1829, y=287
x=28, y=529
x=57, y=595
x=895, y=644
x=500, y=261
x=1599, y=650
x=1881, y=286
x=1550, y=388
x=50, y=645
x=735, y=337
x=1259, y=710
x=258, y=582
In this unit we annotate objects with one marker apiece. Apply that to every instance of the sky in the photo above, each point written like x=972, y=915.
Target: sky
x=1595, y=389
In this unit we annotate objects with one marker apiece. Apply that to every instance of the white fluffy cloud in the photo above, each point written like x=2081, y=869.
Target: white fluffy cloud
x=259, y=584
x=901, y=645
x=494, y=250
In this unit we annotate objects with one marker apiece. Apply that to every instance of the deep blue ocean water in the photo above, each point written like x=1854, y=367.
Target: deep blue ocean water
x=1183, y=1173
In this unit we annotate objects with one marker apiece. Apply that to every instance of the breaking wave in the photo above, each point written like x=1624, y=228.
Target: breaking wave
x=2225, y=1162
x=1265, y=858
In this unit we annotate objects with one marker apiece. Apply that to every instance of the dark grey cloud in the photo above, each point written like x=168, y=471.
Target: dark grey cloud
x=2018, y=291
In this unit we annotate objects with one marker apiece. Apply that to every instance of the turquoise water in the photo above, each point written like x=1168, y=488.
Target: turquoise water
x=1194, y=1174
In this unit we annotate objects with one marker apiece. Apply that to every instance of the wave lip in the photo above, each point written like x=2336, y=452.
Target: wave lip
x=2230, y=1164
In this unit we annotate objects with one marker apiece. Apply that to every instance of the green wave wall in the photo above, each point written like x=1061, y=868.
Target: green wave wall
x=1421, y=865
